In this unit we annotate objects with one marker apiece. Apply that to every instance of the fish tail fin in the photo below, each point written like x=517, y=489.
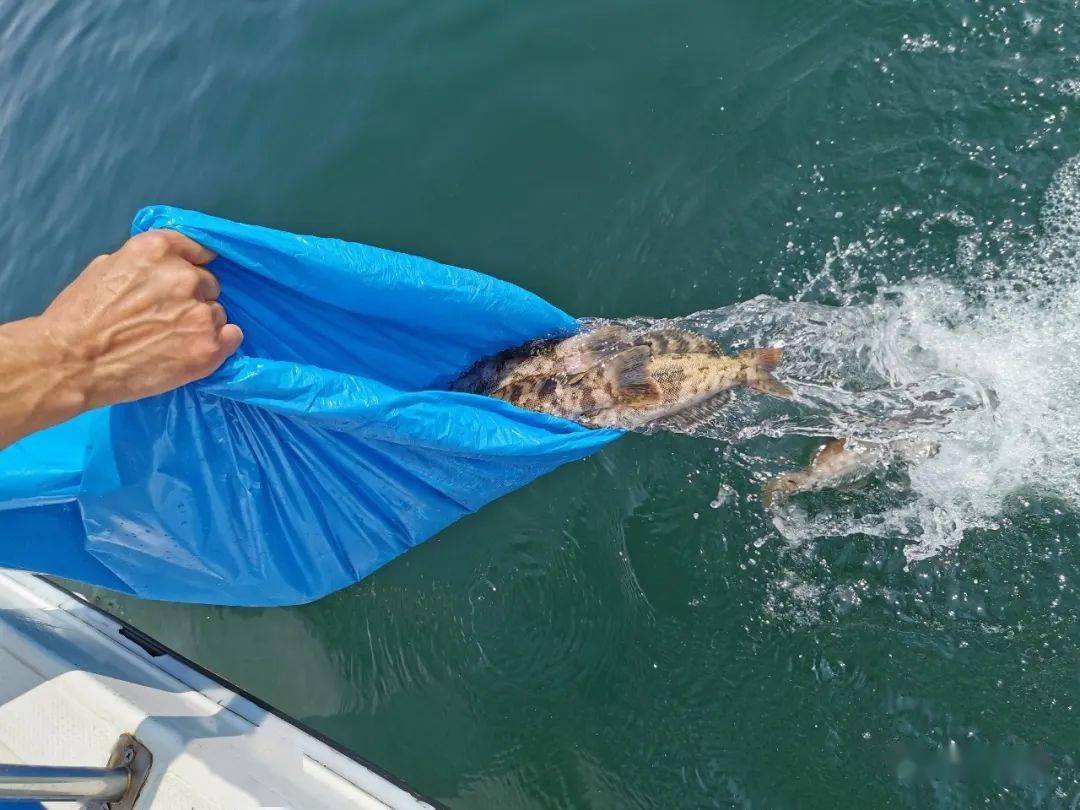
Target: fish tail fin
x=764, y=359
x=766, y=383
x=629, y=374
x=759, y=375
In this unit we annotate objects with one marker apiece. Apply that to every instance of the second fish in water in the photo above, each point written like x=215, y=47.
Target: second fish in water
x=611, y=377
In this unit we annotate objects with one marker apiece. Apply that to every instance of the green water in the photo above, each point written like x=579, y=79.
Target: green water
x=603, y=638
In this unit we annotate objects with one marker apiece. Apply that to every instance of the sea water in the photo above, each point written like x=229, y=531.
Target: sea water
x=886, y=188
x=982, y=368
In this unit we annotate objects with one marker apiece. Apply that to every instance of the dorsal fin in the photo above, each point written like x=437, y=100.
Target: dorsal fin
x=676, y=341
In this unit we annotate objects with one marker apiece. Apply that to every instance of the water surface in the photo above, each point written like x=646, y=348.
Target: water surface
x=633, y=630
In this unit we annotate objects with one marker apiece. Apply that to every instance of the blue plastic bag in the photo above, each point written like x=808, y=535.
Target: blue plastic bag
x=322, y=450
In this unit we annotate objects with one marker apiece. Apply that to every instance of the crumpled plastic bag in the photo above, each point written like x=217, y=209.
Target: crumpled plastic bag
x=324, y=448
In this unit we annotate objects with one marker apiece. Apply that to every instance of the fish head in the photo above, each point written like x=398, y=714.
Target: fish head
x=780, y=487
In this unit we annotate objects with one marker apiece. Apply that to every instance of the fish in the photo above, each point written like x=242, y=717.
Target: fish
x=608, y=376
x=840, y=462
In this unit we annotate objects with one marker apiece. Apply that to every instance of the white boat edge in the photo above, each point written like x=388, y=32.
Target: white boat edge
x=73, y=679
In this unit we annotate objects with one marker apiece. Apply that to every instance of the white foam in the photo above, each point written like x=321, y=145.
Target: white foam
x=923, y=42
x=1069, y=87
x=989, y=368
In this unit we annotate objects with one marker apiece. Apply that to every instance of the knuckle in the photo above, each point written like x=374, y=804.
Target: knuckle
x=202, y=317
x=203, y=356
x=185, y=280
x=99, y=265
x=208, y=316
x=199, y=318
x=151, y=245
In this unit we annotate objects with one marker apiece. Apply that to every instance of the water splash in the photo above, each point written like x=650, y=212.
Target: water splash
x=986, y=369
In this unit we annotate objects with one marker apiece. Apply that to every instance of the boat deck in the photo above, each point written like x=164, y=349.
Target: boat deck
x=73, y=679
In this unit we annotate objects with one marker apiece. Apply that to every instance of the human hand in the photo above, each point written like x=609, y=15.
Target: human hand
x=141, y=321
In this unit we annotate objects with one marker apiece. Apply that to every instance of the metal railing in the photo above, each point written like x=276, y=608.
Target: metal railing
x=117, y=785
x=45, y=783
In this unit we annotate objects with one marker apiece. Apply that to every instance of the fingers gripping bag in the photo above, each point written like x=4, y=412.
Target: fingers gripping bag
x=324, y=448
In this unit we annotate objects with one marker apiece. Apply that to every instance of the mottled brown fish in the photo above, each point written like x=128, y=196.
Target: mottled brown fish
x=836, y=462
x=844, y=461
x=611, y=377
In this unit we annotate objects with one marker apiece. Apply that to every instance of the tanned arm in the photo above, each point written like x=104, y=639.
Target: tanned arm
x=135, y=323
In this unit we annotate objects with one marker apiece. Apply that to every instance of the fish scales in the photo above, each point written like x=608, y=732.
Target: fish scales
x=610, y=377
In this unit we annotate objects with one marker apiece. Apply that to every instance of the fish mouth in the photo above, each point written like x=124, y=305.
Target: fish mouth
x=778, y=489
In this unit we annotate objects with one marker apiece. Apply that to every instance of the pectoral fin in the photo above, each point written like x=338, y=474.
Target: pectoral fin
x=629, y=373
x=586, y=350
x=768, y=384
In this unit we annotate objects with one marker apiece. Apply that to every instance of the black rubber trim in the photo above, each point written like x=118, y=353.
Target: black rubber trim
x=155, y=649
x=150, y=647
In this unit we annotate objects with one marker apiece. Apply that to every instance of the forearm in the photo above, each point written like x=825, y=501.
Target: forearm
x=135, y=323
x=39, y=385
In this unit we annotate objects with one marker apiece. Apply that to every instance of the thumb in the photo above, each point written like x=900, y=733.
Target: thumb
x=230, y=336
